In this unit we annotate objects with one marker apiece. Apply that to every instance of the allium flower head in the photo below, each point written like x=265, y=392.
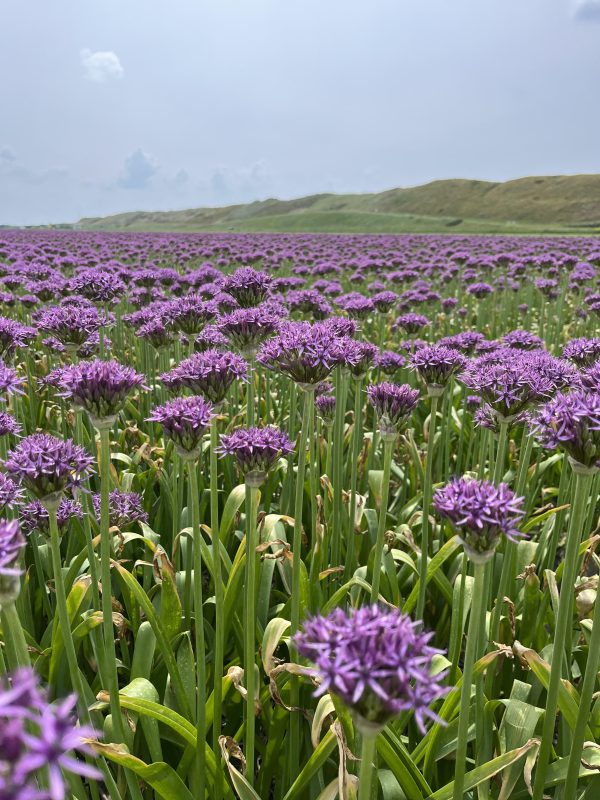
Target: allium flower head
x=211, y=338
x=583, y=352
x=390, y=362
x=72, y=325
x=481, y=513
x=10, y=382
x=393, y=404
x=357, y=356
x=190, y=314
x=509, y=387
x=523, y=340
x=325, y=404
x=411, y=323
x=98, y=285
x=376, y=660
x=47, y=465
x=10, y=492
x=306, y=353
x=157, y=333
x=13, y=334
x=436, y=364
x=98, y=387
x=571, y=422
x=124, y=508
x=256, y=450
x=480, y=290
x=184, y=420
x=247, y=328
x=9, y=425
x=247, y=286
x=12, y=543
x=210, y=374
x=34, y=517
x=383, y=301
x=37, y=738
x=356, y=305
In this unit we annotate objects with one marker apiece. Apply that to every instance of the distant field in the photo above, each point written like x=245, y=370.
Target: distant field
x=562, y=204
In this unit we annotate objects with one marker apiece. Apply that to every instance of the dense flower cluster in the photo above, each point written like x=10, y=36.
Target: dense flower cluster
x=247, y=328
x=247, y=286
x=509, y=387
x=256, y=450
x=393, y=404
x=124, y=508
x=481, y=513
x=306, y=353
x=34, y=517
x=571, y=422
x=210, y=374
x=436, y=364
x=184, y=421
x=376, y=660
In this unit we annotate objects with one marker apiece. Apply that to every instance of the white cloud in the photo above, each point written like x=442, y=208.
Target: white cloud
x=101, y=66
x=138, y=170
x=587, y=9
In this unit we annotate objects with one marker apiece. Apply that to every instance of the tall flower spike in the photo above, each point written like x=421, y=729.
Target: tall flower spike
x=376, y=660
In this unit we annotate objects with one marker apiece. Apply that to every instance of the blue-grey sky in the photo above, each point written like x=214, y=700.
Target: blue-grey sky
x=114, y=105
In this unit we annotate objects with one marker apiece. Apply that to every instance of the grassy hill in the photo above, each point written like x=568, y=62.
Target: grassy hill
x=568, y=203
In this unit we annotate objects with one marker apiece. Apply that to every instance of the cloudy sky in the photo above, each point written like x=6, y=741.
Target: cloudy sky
x=114, y=105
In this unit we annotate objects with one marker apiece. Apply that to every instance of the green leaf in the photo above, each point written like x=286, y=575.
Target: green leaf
x=312, y=766
x=395, y=755
x=444, y=553
x=232, y=505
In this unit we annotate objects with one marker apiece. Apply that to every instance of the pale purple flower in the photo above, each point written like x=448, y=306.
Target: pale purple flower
x=436, y=364
x=306, y=353
x=247, y=328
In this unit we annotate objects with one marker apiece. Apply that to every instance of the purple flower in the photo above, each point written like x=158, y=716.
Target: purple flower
x=184, y=421
x=211, y=338
x=389, y=362
x=509, y=387
x=481, y=513
x=356, y=305
x=191, y=313
x=124, y=508
x=308, y=301
x=98, y=387
x=325, y=404
x=12, y=543
x=523, y=340
x=357, y=356
x=34, y=517
x=210, y=374
x=376, y=660
x=383, y=301
x=571, y=422
x=306, y=353
x=98, y=285
x=47, y=465
x=582, y=352
x=480, y=290
x=256, y=450
x=393, y=404
x=13, y=335
x=411, y=323
x=73, y=324
x=157, y=333
x=247, y=328
x=37, y=737
x=9, y=425
x=436, y=364
x=10, y=492
x=247, y=286
x=10, y=382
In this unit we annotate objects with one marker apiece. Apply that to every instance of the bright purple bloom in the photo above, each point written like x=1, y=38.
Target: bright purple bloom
x=72, y=325
x=256, y=450
x=47, y=465
x=10, y=492
x=571, y=422
x=247, y=286
x=522, y=340
x=509, y=387
x=98, y=285
x=383, y=301
x=389, y=362
x=98, y=387
x=12, y=543
x=357, y=356
x=190, y=314
x=247, y=328
x=211, y=338
x=411, y=323
x=124, y=508
x=210, y=374
x=9, y=425
x=583, y=352
x=157, y=333
x=393, y=404
x=481, y=513
x=184, y=420
x=436, y=364
x=480, y=290
x=306, y=353
x=34, y=517
x=376, y=660
x=13, y=335
x=356, y=305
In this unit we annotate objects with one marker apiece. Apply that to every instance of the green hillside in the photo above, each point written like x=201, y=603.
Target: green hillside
x=569, y=204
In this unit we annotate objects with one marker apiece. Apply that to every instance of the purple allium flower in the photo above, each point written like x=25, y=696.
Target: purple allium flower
x=383, y=301
x=124, y=508
x=393, y=404
x=339, y=326
x=98, y=387
x=308, y=301
x=448, y=303
x=13, y=335
x=523, y=340
x=211, y=338
x=10, y=382
x=480, y=512
x=256, y=451
x=411, y=323
x=247, y=328
x=480, y=290
x=72, y=325
x=571, y=422
x=583, y=352
x=10, y=492
x=325, y=404
x=510, y=387
x=247, y=286
x=98, y=285
x=184, y=420
x=467, y=342
x=12, y=543
x=389, y=362
x=37, y=737
x=157, y=333
x=356, y=305
x=34, y=517
x=436, y=364
x=190, y=314
x=47, y=465
x=210, y=374
x=9, y=425
x=306, y=353
x=357, y=356
x=376, y=660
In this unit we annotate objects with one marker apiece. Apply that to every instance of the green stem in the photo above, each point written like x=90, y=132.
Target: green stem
x=13, y=632
x=200, y=771
x=501, y=452
x=388, y=449
x=356, y=443
x=337, y=477
x=582, y=483
x=250, y=394
x=427, y=494
x=219, y=604
x=367, y=771
x=294, y=747
x=477, y=610
x=250, y=629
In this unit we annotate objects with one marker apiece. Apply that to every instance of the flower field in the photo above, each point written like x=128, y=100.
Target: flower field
x=298, y=517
